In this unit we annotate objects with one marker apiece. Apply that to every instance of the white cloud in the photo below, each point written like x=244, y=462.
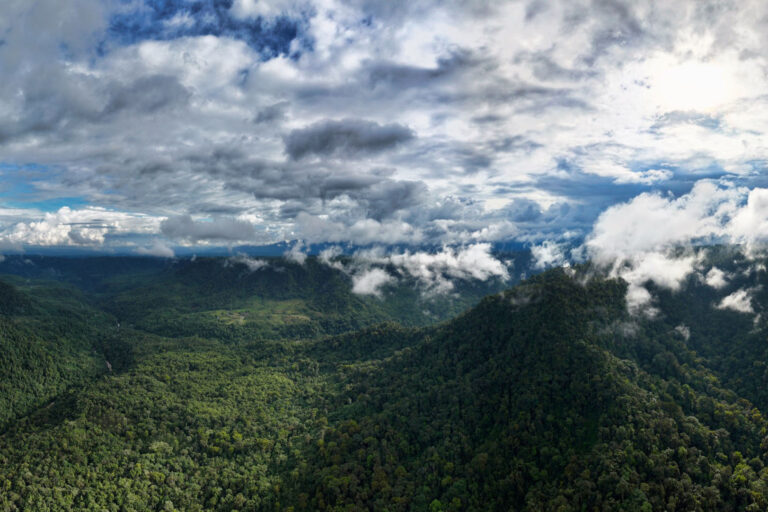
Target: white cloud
x=665, y=270
x=716, y=278
x=740, y=300
x=80, y=227
x=652, y=222
x=328, y=257
x=369, y=282
x=437, y=270
x=296, y=253
x=264, y=8
x=253, y=264
x=750, y=223
x=641, y=240
x=548, y=254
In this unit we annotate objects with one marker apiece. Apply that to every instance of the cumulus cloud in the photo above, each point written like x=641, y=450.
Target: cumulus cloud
x=654, y=222
x=73, y=227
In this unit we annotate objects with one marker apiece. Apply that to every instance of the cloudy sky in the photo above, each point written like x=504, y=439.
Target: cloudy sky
x=148, y=125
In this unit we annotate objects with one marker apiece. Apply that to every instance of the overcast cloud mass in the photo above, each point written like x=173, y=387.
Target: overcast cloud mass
x=144, y=125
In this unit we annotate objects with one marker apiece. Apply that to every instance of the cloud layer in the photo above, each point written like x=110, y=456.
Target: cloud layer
x=436, y=122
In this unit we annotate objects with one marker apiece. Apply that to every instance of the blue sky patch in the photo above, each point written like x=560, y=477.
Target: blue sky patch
x=171, y=19
x=18, y=189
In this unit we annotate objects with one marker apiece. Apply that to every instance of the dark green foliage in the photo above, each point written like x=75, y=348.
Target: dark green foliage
x=227, y=394
x=223, y=299
x=11, y=301
x=47, y=341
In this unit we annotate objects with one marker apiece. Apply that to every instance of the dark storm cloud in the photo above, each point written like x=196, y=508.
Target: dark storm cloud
x=346, y=137
x=390, y=196
x=375, y=196
x=306, y=187
x=473, y=160
x=523, y=210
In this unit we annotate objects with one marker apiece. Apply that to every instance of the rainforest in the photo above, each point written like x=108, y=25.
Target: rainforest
x=143, y=384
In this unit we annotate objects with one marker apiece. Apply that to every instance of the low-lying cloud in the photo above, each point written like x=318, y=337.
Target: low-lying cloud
x=434, y=271
x=654, y=238
x=252, y=264
x=369, y=282
x=740, y=300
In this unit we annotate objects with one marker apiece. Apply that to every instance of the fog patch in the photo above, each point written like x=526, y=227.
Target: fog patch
x=684, y=331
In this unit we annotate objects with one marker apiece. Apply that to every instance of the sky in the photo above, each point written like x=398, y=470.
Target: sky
x=146, y=126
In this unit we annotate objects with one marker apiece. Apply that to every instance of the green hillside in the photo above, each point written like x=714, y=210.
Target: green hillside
x=548, y=396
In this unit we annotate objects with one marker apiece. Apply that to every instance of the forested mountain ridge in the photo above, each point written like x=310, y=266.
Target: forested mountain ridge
x=241, y=299
x=548, y=396
x=50, y=340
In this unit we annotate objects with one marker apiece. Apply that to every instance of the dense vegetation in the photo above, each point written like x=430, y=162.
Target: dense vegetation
x=280, y=390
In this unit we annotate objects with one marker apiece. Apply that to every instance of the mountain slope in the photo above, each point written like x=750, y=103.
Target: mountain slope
x=519, y=405
x=549, y=396
x=276, y=299
x=50, y=340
